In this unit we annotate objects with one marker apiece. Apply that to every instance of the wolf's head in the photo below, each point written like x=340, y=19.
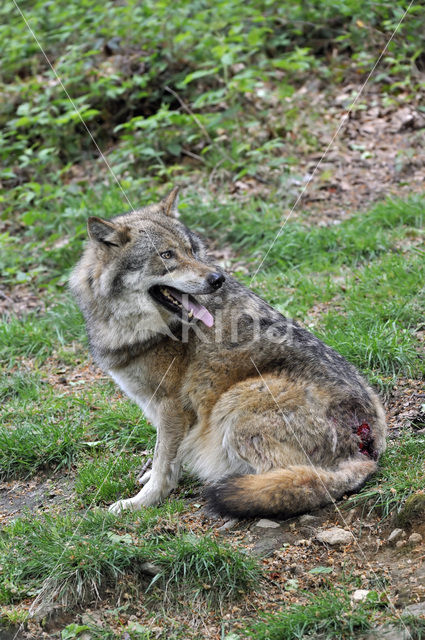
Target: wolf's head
x=145, y=263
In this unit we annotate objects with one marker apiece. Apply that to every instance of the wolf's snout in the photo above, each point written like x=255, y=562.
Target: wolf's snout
x=215, y=280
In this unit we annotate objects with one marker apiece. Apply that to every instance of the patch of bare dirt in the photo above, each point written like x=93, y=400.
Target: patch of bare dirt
x=405, y=405
x=20, y=300
x=377, y=152
x=294, y=562
x=18, y=496
x=68, y=378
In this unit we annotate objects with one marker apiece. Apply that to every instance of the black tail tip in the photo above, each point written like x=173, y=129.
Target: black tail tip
x=215, y=495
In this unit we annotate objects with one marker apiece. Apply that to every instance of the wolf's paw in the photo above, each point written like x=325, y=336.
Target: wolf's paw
x=150, y=494
x=122, y=505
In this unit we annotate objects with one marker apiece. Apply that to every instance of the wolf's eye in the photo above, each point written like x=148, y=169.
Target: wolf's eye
x=166, y=255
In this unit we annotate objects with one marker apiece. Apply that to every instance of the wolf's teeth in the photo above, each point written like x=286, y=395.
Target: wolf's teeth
x=168, y=295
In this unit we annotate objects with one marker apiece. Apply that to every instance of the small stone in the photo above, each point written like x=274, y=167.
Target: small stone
x=150, y=568
x=393, y=632
x=229, y=524
x=400, y=543
x=360, y=595
x=417, y=609
x=308, y=519
x=335, y=535
x=395, y=535
x=267, y=524
x=304, y=542
x=415, y=538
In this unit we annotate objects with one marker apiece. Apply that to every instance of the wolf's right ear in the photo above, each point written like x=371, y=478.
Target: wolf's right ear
x=106, y=232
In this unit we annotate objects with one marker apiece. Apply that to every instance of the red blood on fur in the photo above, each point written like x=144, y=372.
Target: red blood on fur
x=363, y=431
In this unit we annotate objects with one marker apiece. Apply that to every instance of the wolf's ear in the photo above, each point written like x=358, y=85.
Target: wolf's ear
x=106, y=232
x=169, y=203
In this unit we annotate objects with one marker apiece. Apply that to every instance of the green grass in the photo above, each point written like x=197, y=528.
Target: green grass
x=107, y=478
x=20, y=384
x=42, y=435
x=215, y=571
x=374, y=346
x=120, y=425
x=329, y=615
x=415, y=625
x=400, y=475
x=70, y=557
x=43, y=431
x=356, y=240
x=37, y=335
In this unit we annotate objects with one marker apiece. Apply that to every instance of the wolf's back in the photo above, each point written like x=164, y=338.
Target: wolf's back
x=287, y=492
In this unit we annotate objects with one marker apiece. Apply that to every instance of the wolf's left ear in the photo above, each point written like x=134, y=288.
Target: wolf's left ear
x=169, y=203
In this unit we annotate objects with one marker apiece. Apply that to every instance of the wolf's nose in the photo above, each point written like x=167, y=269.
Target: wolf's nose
x=215, y=280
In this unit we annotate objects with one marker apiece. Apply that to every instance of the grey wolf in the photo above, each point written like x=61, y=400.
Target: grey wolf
x=272, y=419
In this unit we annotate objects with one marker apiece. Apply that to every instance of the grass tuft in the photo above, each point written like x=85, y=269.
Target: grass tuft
x=70, y=557
x=215, y=571
x=329, y=615
x=371, y=344
x=20, y=384
x=41, y=443
x=36, y=336
x=400, y=475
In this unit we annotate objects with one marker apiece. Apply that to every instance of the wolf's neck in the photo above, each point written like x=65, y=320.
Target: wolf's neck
x=116, y=341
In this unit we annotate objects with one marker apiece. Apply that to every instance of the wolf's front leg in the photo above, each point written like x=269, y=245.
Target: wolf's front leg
x=165, y=472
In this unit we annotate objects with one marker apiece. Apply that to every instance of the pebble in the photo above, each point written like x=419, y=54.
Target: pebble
x=267, y=524
x=400, y=543
x=335, y=535
x=417, y=609
x=415, y=538
x=150, y=568
x=360, y=594
x=304, y=542
x=307, y=518
x=395, y=535
x=229, y=524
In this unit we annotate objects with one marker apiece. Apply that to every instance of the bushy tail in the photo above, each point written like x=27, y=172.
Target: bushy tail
x=286, y=492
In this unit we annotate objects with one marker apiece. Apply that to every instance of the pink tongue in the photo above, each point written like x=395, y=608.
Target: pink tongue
x=200, y=312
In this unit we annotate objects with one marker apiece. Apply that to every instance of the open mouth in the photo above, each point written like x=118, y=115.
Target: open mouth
x=181, y=303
